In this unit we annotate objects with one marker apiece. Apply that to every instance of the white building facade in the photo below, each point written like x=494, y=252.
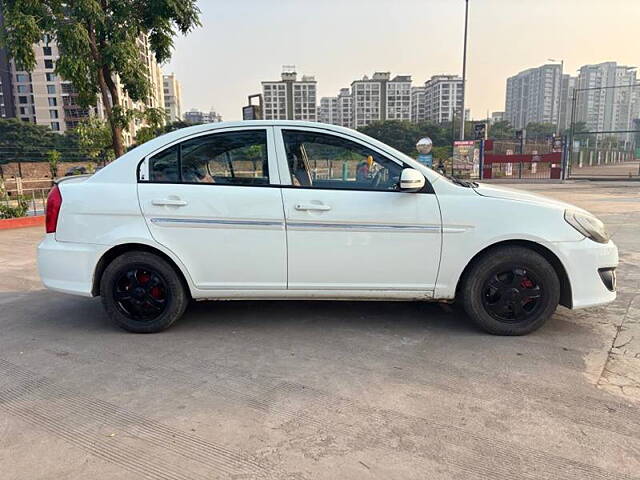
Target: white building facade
x=442, y=98
x=608, y=109
x=172, y=97
x=290, y=98
x=534, y=96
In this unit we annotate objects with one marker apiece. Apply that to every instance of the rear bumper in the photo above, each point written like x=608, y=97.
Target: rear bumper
x=584, y=261
x=68, y=267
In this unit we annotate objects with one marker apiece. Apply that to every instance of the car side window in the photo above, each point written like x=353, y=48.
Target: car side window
x=319, y=160
x=229, y=158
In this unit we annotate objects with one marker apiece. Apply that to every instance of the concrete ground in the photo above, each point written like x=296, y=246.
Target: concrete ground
x=292, y=390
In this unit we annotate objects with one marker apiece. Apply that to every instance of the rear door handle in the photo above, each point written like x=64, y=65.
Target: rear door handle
x=169, y=201
x=311, y=206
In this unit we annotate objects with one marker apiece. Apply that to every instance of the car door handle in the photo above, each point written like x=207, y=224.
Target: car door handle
x=170, y=201
x=311, y=206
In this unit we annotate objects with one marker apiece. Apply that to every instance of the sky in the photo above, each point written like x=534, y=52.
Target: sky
x=242, y=42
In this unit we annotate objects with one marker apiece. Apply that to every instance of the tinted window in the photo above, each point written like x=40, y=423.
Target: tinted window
x=163, y=166
x=327, y=161
x=237, y=158
x=233, y=158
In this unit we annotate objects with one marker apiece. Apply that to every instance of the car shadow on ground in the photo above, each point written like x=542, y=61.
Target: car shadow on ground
x=68, y=312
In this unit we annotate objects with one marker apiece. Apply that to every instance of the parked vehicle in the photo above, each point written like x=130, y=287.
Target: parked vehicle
x=297, y=210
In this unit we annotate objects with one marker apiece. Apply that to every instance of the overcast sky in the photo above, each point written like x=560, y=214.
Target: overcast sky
x=243, y=42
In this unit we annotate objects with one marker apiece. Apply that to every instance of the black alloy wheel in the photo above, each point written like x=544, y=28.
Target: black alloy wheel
x=141, y=293
x=510, y=290
x=513, y=295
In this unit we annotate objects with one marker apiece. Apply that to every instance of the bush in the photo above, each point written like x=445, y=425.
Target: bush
x=20, y=210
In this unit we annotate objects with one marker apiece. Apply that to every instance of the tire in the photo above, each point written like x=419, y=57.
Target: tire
x=142, y=293
x=510, y=291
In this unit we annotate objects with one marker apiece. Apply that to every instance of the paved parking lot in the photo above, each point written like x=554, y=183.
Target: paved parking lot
x=332, y=390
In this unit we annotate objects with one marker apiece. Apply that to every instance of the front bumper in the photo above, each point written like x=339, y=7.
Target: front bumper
x=584, y=261
x=68, y=267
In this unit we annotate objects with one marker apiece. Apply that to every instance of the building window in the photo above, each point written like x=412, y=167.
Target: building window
x=53, y=113
x=48, y=63
x=46, y=51
x=55, y=126
x=51, y=77
x=22, y=78
x=51, y=89
x=22, y=99
x=23, y=89
x=53, y=102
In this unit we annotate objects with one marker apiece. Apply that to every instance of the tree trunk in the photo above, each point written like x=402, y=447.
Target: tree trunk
x=107, y=88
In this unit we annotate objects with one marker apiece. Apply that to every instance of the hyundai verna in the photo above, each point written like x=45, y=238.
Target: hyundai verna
x=297, y=210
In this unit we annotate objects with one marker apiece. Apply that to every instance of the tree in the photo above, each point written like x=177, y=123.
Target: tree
x=403, y=135
x=501, y=130
x=27, y=142
x=540, y=130
x=53, y=157
x=95, y=139
x=97, y=41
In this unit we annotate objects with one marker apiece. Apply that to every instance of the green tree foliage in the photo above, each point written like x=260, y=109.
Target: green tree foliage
x=95, y=139
x=98, y=44
x=540, y=130
x=403, y=135
x=501, y=130
x=27, y=142
x=53, y=158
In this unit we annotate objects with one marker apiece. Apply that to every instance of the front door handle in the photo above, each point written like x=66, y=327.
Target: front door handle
x=311, y=206
x=169, y=201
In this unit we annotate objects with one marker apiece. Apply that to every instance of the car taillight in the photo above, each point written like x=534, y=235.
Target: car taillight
x=54, y=202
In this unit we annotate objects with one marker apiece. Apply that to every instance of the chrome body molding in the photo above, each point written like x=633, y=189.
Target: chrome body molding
x=363, y=227
x=356, y=227
x=456, y=228
x=212, y=223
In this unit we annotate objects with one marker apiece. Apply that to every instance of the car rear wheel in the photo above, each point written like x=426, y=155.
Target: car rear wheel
x=142, y=293
x=510, y=291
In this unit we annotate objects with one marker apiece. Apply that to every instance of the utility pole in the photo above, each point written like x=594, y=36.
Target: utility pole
x=464, y=67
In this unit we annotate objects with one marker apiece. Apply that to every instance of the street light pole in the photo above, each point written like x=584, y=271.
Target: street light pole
x=464, y=67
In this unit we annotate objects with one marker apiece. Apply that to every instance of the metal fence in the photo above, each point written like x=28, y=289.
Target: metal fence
x=32, y=193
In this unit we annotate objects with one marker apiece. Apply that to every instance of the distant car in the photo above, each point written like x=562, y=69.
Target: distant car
x=296, y=210
x=77, y=170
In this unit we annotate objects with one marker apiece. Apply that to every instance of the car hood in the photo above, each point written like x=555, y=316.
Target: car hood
x=495, y=191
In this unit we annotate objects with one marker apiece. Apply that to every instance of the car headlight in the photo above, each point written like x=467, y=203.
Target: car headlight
x=587, y=225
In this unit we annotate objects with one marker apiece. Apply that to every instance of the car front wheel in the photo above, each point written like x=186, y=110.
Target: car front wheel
x=142, y=293
x=510, y=291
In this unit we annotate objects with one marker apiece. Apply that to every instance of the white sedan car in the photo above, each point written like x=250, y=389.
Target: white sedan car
x=297, y=210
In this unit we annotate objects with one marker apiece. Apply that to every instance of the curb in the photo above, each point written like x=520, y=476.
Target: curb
x=21, y=222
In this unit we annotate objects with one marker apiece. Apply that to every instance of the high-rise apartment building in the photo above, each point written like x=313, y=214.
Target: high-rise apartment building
x=608, y=109
x=418, y=111
x=196, y=116
x=290, y=98
x=172, y=98
x=381, y=98
x=345, y=108
x=41, y=96
x=566, y=97
x=328, y=112
x=442, y=98
x=398, y=98
x=533, y=95
x=496, y=117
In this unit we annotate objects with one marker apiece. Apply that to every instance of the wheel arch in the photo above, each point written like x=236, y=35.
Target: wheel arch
x=114, y=252
x=566, y=297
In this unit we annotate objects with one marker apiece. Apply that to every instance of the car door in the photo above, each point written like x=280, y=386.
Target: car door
x=348, y=225
x=209, y=199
